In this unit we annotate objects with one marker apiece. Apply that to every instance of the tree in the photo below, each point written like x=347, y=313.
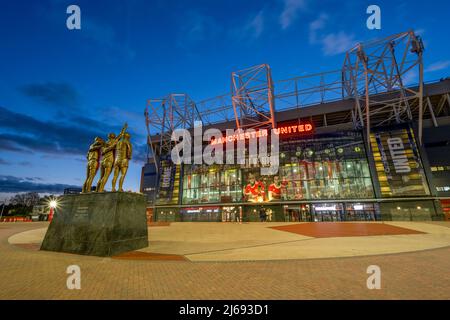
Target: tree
x=25, y=199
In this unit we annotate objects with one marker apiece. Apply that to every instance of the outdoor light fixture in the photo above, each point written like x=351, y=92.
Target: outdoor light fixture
x=52, y=204
x=398, y=208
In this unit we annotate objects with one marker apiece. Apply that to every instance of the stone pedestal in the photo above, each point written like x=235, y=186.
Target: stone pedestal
x=98, y=224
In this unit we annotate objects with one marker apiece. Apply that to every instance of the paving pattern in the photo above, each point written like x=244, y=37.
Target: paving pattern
x=31, y=274
x=343, y=229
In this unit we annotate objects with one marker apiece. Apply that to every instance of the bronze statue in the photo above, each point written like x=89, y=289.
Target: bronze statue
x=107, y=162
x=123, y=155
x=93, y=157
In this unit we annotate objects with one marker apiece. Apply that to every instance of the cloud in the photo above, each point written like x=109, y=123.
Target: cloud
x=317, y=25
x=331, y=43
x=24, y=134
x=52, y=93
x=290, y=12
x=256, y=25
x=252, y=29
x=139, y=153
x=336, y=43
x=11, y=184
x=4, y=162
x=437, y=66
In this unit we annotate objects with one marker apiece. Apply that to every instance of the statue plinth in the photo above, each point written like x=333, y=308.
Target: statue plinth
x=98, y=224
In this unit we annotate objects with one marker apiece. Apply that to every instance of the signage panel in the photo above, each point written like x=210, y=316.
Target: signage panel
x=398, y=164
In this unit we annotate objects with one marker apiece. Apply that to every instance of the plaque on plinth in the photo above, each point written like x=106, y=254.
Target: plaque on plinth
x=98, y=224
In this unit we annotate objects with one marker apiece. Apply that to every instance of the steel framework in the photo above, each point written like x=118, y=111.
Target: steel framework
x=217, y=109
x=163, y=116
x=380, y=66
x=383, y=78
x=253, y=97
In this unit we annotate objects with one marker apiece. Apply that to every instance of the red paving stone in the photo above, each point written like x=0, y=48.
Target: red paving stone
x=139, y=255
x=158, y=224
x=343, y=229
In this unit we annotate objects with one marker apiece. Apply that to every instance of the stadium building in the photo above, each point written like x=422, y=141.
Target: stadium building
x=368, y=142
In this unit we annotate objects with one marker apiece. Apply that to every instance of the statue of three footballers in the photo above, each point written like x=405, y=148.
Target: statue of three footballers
x=115, y=154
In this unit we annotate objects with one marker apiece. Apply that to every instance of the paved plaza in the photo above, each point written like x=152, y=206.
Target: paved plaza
x=239, y=261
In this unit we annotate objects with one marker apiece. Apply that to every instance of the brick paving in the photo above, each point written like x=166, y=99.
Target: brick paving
x=30, y=274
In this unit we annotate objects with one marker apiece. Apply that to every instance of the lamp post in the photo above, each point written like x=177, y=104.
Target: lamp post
x=53, y=204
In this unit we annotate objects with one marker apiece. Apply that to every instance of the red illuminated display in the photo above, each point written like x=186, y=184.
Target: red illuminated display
x=252, y=134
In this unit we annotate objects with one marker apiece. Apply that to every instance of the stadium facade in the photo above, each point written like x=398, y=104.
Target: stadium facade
x=355, y=151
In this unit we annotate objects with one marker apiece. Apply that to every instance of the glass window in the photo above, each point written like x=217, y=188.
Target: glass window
x=211, y=184
x=326, y=168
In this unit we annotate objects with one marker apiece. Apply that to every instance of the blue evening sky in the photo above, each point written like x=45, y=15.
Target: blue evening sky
x=60, y=88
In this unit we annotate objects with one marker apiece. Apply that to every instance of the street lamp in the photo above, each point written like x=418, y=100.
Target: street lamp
x=53, y=203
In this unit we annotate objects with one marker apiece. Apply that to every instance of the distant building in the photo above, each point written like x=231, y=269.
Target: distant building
x=149, y=181
x=76, y=190
x=72, y=190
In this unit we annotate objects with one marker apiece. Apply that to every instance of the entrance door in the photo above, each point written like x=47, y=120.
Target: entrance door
x=328, y=212
x=301, y=213
x=229, y=214
x=360, y=212
x=305, y=213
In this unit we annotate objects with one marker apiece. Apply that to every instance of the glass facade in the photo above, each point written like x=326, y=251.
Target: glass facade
x=335, y=211
x=322, y=167
x=211, y=184
x=321, y=177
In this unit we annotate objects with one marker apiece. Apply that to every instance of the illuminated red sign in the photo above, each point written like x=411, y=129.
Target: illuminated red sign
x=252, y=134
x=296, y=128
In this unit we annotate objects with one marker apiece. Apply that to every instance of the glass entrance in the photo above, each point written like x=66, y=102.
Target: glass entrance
x=299, y=213
x=328, y=212
x=201, y=214
x=360, y=212
x=230, y=214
